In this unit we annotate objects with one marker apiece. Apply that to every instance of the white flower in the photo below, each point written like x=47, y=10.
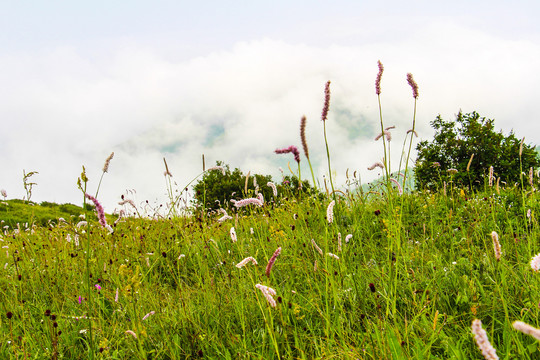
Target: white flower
x=535, y=262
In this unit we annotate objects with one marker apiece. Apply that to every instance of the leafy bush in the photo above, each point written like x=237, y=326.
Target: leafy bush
x=456, y=141
x=215, y=190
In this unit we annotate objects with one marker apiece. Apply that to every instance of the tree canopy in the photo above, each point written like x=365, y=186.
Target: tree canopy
x=471, y=136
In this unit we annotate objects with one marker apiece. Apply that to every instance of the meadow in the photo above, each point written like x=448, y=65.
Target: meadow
x=378, y=272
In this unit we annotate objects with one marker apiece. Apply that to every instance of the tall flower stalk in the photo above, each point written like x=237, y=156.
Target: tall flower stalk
x=383, y=131
x=414, y=87
x=105, y=169
x=303, y=122
x=324, y=117
x=82, y=182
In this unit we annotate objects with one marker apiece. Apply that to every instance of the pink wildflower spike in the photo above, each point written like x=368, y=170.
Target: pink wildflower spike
x=333, y=255
x=99, y=210
x=326, y=106
x=233, y=235
x=398, y=186
x=272, y=261
x=291, y=149
x=148, y=315
x=268, y=293
x=260, y=197
x=108, y=162
x=116, y=296
x=385, y=133
x=224, y=218
x=348, y=238
x=378, y=79
x=412, y=131
x=496, y=245
x=330, y=212
x=413, y=85
x=377, y=164
x=248, y=201
x=128, y=201
x=273, y=186
x=527, y=329
x=247, y=260
x=132, y=333
x=480, y=335
x=319, y=250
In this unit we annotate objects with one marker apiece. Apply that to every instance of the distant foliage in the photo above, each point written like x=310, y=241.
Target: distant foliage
x=216, y=190
x=456, y=141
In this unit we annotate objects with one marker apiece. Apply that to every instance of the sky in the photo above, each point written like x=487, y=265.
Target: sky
x=231, y=80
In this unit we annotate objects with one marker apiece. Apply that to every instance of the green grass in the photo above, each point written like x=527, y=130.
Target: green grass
x=15, y=211
x=407, y=285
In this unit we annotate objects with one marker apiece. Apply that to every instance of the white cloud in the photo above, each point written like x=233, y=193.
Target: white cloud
x=62, y=110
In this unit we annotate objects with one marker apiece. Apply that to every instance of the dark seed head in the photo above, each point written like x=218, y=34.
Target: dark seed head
x=47, y=312
x=372, y=287
x=9, y=315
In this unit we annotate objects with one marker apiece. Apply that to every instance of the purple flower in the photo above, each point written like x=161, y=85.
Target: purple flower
x=80, y=299
x=291, y=149
x=98, y=286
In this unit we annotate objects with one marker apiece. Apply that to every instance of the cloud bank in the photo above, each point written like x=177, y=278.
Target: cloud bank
x=64, y=109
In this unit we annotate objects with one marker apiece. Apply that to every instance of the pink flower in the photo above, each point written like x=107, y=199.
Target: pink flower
x=98, y=286
x=330, y=212
x=413, y=85
x=273, y=186
x=132, y=333
x=326, y=106
x=496, y=245
x=245, y=261
x=291, y=149
x=268, y=293
x=99, y=209
x=480, y=335
x=272, y=261
x=377, y=164
x=148, y=315
x=378, y=79
x=248, y=201
x=233, y=235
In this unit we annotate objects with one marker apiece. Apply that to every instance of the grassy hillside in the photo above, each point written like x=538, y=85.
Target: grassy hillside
x=408, y=283
x=13, y=212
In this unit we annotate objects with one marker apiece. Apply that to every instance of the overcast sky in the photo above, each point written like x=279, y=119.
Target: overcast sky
x=231, y=80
